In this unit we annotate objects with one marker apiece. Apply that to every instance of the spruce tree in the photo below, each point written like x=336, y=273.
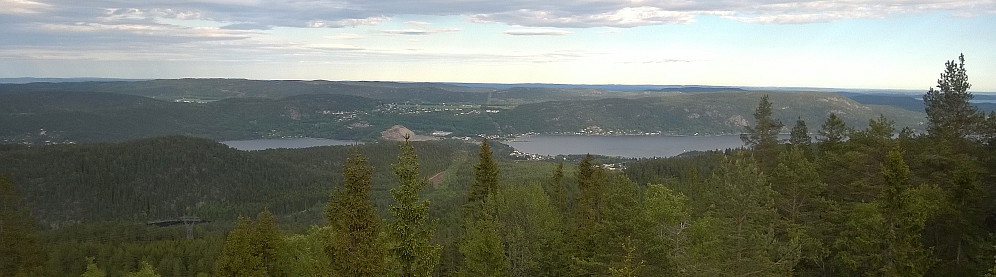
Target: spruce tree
x=355, y=246
x=558, y=190
x=485, y=176
x=481, y=246
x=590, y=178
x=411, y=231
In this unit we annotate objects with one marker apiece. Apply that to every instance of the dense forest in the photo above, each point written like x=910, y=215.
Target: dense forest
x=845, y=200
x=222, y=109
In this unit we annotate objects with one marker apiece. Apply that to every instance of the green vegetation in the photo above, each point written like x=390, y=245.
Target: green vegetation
x=858, y=201
x=50, y=113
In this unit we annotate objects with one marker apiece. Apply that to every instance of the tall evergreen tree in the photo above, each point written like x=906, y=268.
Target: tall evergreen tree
x=267, y=235
x=481, y=246
x=411, y=231
x=744, y=208
x=558, y=191
x=485, y=179
x=20, y=252
x=763, y=137
x=355, y=247
x=832, y=133
x=800, y=134
x=591, y=180
x=884, y=237
x=949, y=112
x=803, y=208
x=959, y=235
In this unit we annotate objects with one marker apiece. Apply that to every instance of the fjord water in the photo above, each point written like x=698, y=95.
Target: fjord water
x=289, y=143
x=622, y=146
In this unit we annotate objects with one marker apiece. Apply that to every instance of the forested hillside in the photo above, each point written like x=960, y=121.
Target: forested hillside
x=35, y=115
x=685, y=114
x=871, y=198
x=173, y=176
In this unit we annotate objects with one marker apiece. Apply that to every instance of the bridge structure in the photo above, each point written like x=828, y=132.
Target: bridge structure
x=187, y=221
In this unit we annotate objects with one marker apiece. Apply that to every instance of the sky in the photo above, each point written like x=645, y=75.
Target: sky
x=880, y=44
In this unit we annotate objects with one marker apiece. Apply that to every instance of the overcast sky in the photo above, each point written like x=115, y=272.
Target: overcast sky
x=886, y=44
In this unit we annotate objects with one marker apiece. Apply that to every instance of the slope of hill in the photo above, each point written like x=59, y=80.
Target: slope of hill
x=684, y=114
x=94, y=116
x=53, y=117
x=172, y=176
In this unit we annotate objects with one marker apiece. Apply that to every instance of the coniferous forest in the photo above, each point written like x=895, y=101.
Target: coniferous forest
x=847, y=200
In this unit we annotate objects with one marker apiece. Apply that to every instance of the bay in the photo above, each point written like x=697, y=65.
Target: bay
x=288, y=143
x=642, y=146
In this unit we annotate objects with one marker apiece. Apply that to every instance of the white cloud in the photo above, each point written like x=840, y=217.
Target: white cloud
x=420, y=31
x=22, y=7
x=418, y=23
x=348, y=22
x=536, y=32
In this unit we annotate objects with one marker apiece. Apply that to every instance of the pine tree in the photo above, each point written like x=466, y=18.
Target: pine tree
x=763, y=137
x=800, y=134
x=20, y=252
x=411, y=231
x=744, y=207
x=355, y=247
x=949, y=113
x=802, y=207
x=884, y=236
x=832, y=133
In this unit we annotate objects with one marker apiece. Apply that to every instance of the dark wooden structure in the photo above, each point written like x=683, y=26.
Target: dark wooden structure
x=188, y=221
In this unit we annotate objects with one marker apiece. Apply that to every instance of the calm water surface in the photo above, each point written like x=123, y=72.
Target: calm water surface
x=623, y=146
x=262, y=144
